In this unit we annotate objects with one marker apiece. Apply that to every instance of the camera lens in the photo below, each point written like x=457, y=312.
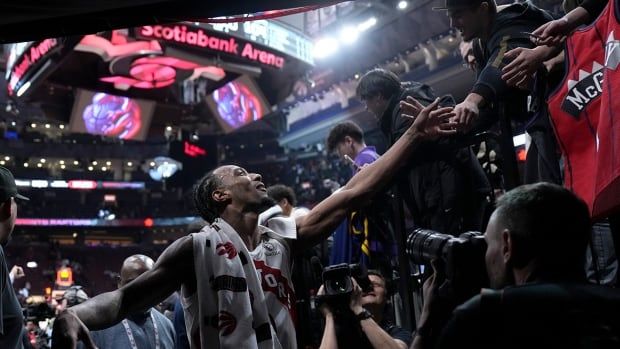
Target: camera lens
x=425, y=245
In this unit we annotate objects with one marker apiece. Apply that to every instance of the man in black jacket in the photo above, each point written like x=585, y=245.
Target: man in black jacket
x=444, y=186
x=496, y=33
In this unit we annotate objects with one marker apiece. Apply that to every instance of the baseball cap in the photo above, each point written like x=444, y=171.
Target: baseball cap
x=8, y=189
x=458, y=4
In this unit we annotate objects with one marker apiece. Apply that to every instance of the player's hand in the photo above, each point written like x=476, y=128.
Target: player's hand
x=68, y=329
x=431, y=123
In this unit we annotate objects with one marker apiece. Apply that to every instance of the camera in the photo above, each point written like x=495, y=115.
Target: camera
x=462, y=258
x=337, y=279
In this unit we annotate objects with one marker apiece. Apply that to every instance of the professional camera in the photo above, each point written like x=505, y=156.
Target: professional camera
x=337, y=279
x=462, y=258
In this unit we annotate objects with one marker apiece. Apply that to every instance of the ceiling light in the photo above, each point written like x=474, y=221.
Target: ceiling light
x=402, y=5
x=104, y=168
x=39, y=165
x=94, y=163
x=367, y=24
x=75, y=162
x=129, y=164
x=168, y=128
x=32, y=264
x=48, y=125
x=109, y=163
x=152, y=163
x=62, y=162
x=90, y=168
x=33, y=125
x=25, y=164
x=62, y=127
x=325, y=47
x=42, y=161
x=2, y=162
x=349, y=35
x=7, y=158
x=63, y=167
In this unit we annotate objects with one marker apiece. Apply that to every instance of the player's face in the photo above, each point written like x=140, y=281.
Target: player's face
x=244, y=188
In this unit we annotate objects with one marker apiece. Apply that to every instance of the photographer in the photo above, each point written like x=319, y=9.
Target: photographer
x=369, y=309
x=535, y=259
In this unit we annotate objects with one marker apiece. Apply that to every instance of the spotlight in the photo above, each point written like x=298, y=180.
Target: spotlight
x=61, y=126
x=2, y=162
x=367, y=24
x=152, y=163
x=129, y=164
x=349, y=35
x=109, y=163
x=39, y=165
x=63, y=167
x=168, y=128
x=104, y=168
x=32, y=264
x=25, y=164
x=48, y=125
x=402, y=5
x=7, y=158
x=90, y=168
x=13, y=123
x=75, y=162
x=42, y=161
x=62, y=162
x=33, y=125
x=94, y=163
x=325, y=47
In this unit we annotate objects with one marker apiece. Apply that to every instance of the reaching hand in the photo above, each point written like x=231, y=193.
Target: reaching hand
x=17, y=272
x=68, y=329
x=465, y=113
x=525, y=62
x=552, y=33
x=431, y=123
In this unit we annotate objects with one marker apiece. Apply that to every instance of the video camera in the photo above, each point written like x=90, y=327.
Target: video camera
x=462, y=258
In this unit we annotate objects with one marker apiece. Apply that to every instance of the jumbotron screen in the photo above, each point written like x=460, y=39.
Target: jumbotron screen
x=237, y=103
x=112, y=116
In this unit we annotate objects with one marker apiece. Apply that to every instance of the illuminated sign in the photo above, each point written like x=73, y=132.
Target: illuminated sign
x=78, y=184
x=64, y=277
x=271, y=34
x=193, y=150
x=31, y=57
x=197, y=37
x=87, y=222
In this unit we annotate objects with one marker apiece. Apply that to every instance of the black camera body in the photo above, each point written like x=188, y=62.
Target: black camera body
x=462, y=258
x=337, y=279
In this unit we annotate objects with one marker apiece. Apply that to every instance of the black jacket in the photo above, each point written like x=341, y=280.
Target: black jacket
x=443, y=182
x=507, y=32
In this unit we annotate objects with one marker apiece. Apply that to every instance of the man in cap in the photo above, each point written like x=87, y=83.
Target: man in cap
x=11, y=318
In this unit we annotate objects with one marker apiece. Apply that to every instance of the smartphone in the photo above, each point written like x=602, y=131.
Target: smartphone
x=532, y=35
x=351, y=161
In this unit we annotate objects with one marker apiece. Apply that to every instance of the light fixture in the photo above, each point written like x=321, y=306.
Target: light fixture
x=75, y=162
x=152, y=163
x=367, y=24
x=63, y=167
x=402, y=5
x=104, y=168
x=25, y=164
x=33, y=125
x=39, y=165
x=62, y=162
x=94, y=163
x=48, y=125
x=90, y=168
x=61, y=126
x=129, y=164
x=23, y=88
x=2, y=162
x=168, y=128
x=109, y=163
x=32, y=264
x=74, y=235
x=13, y=123
x=7, y=158
x=349, y=35
x=43, y=160
x=325, y=47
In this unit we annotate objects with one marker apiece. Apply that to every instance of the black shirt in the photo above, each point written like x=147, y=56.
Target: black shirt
x=11, y=317
x=397, y=332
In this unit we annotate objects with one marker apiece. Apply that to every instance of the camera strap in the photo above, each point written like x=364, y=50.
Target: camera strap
x=132, y=340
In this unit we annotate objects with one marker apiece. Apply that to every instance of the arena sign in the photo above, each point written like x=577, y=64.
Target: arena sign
x=197, y=37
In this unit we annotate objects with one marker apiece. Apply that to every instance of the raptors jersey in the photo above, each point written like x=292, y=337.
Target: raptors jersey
x=585, y=112
x=272, y=260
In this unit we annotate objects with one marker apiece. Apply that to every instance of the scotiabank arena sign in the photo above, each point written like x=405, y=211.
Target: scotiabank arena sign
x=196, y=37
x=25, y=59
